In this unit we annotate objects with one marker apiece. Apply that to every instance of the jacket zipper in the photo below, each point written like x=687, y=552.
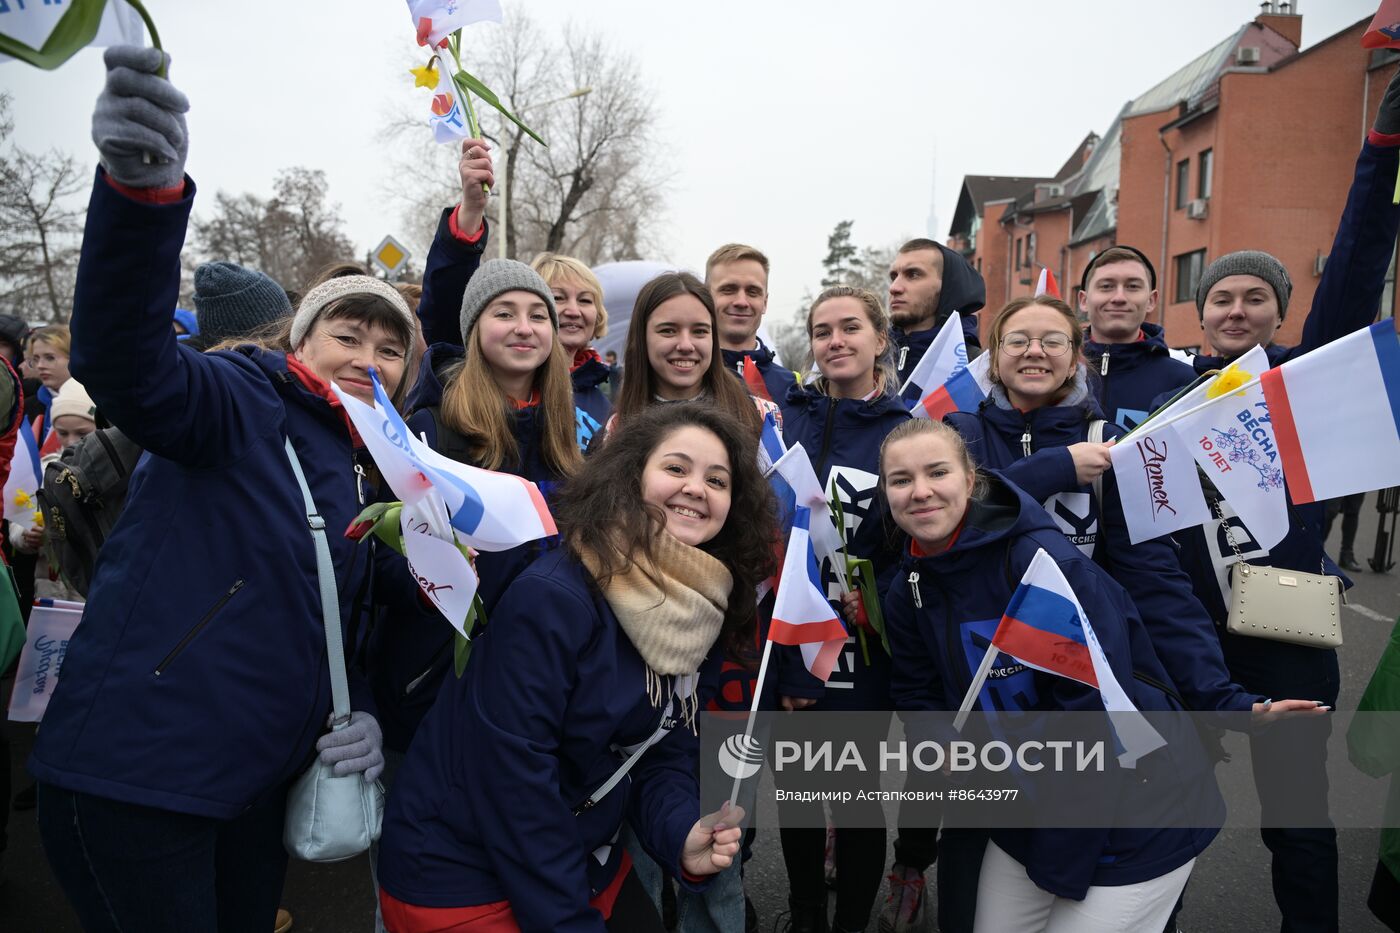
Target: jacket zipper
x=826, y=437
x=198, y=627
x=914, y=589
x=1103, y=365
x=439, y=656
x=903, y=355
x=1026, y=442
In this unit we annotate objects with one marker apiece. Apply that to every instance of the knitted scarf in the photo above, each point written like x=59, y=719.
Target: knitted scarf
x=671, y=610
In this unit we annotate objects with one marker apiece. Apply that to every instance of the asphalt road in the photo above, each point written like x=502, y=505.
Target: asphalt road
x=1230, y=888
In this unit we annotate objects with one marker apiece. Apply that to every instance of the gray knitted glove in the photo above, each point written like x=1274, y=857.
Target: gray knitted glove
x=1388, y=116
x=139, y=122
x=357, y=747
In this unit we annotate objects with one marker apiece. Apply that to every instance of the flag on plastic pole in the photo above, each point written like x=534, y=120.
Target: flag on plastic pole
x=796, y=469
x=1336, y=414
x=941, y=382
x=447, y=118
x=435, y=20
x=1047, y=284
x=1044, y=627
x=801, y=614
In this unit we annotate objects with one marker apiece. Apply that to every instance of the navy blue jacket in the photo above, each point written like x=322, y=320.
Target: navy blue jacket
x=777, y=377
x=962, y=291
x=198, y=681
x=1127, y=377
x=449, y=266
x=1150, y=571
x=842, y=438
x=589, y=399
x=408, y=658
x=482, y=808
x=940, y=613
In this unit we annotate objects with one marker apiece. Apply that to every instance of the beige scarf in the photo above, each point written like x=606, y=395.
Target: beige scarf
x=671, y=610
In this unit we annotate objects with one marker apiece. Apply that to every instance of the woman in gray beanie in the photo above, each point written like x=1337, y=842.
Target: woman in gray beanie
x=506, y=405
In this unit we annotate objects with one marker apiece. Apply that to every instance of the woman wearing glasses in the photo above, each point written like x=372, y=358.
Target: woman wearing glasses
x=1034, y=428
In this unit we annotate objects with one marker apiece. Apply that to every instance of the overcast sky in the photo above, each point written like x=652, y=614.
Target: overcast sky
x=778, y=119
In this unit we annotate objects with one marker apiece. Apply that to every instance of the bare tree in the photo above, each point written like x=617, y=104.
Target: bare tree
x=595, y=193
x=41, y=225
x=288, y=236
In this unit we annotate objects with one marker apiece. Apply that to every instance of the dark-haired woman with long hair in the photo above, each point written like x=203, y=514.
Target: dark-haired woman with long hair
x=500, y=814
x=673, y=353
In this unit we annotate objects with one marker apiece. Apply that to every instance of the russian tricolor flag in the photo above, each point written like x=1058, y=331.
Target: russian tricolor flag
x=1336, y=415
x=801, y=614
x=1045, y=628
x=942, y=382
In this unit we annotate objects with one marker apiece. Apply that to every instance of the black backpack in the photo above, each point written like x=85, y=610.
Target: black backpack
x=82, y=496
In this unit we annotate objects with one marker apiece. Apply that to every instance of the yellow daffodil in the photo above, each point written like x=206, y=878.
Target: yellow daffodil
x=38, y=519
x=22, y=499
x=1228, y=381
x=426, y=76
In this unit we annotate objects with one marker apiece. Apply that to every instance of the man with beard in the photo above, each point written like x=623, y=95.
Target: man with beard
x=928, y=282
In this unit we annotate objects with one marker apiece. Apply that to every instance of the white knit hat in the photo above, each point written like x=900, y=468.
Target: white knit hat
x=331, y=290
x=73, y=399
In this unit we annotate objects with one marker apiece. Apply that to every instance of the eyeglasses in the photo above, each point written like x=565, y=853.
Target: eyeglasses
x=1055, y=344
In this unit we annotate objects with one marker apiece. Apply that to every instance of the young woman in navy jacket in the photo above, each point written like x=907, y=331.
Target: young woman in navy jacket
x=506, y=405
x=840, y=418
x=499, y=814
x=971, y=539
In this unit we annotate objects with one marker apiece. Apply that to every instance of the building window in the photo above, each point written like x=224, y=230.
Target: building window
x=1030, y=249
x=979, y=265
x=1203, y=173
x=1018, y=252
x=1183, y=183
x=1189, y=267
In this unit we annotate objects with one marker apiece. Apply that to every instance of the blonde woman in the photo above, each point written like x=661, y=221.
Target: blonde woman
x=578, y=298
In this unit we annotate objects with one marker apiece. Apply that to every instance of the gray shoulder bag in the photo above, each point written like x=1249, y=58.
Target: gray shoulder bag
x=1282, y=605
x=329, y=818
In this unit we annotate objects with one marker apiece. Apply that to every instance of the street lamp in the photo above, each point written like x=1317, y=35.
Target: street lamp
x=503, y=182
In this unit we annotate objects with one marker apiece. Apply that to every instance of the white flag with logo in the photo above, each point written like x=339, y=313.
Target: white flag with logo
x=1157, y=484
x=1233, y=441
x=435, y=20
x=441, y=569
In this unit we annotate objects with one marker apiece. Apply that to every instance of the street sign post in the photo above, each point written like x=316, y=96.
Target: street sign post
x=390, y=255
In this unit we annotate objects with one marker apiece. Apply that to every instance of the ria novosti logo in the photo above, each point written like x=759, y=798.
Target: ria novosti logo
x=740, y=756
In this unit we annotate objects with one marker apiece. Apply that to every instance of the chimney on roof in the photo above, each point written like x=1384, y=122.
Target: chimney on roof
x=1283, y=18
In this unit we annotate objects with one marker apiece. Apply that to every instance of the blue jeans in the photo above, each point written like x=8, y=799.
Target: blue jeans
x=718, y=909
x=128, y=868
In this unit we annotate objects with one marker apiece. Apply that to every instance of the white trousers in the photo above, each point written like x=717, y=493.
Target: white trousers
x=1008, y=901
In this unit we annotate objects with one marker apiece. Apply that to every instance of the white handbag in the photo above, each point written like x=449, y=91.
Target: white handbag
x=330, y=818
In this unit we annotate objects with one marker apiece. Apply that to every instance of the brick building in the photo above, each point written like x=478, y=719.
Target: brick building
x=1251, y=145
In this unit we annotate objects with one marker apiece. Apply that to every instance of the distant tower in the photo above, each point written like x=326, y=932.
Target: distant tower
x=934, y=232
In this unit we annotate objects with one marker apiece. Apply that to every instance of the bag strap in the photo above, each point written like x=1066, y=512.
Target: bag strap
x=636, y=753
x=626, y=766
x=330, y=601
x=1096, y=437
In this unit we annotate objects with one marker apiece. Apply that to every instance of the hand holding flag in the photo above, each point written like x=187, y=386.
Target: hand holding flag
x=1044, y=627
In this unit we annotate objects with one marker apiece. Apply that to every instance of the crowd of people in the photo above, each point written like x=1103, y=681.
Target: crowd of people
x=552, y=784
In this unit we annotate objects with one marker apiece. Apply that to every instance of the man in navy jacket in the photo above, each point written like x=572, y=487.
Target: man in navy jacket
x=1127, y=358
x=737, y=277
